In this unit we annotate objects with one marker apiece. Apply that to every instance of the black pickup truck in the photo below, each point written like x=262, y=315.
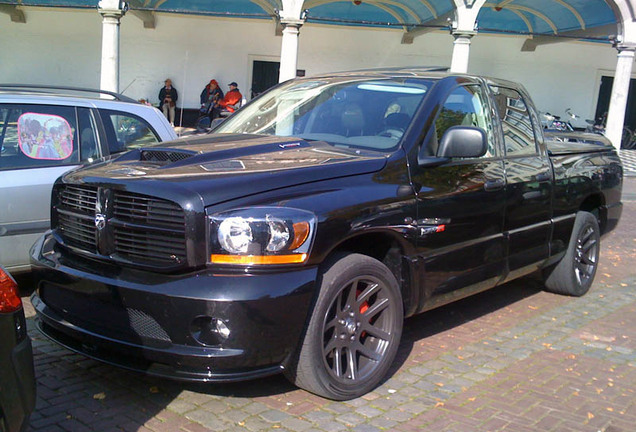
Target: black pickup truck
x=298, y=235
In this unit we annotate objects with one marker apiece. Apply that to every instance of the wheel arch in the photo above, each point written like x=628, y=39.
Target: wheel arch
x=595, y=204
x=393, y=251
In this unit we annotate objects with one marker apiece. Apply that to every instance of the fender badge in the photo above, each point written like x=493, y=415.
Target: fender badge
x=432, y=230
x=285, y=146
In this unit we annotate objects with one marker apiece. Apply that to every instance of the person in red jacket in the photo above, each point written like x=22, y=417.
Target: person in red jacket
x=229, y=101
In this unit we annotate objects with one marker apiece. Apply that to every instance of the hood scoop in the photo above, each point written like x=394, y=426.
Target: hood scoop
x=165, y=156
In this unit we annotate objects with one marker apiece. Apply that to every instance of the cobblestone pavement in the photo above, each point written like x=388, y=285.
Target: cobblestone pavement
x=514, y=358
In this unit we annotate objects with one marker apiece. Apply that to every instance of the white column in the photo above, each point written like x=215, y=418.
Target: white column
x=289, y=49
x=461, y=51
x=464, y=27
x=620, y=91
x=111, y=11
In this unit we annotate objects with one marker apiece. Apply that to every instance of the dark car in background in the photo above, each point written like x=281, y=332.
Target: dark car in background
x=17, y=376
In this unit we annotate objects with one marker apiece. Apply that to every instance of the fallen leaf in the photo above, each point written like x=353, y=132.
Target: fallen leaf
x=99, y=396
x=533, y=307
x=154, y=389
x=472, y=399
x=439, y=404
x=439, y=384
x=610, y=409
x=590, y=416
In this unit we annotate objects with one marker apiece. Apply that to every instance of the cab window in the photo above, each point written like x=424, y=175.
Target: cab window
x=519, y=138
x=127, y=131
x=466, y=106
x=37, y=136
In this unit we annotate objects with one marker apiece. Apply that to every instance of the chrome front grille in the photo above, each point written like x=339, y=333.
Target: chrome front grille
x=138, y=229
x=79, y=198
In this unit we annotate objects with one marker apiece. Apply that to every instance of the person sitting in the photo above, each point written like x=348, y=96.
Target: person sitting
x=167, y=100
x=210, y=95
x=229, y=102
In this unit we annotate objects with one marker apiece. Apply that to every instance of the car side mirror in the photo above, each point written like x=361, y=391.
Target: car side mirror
x=463, y=142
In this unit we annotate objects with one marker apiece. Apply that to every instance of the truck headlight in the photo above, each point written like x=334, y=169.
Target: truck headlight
x=261, y=236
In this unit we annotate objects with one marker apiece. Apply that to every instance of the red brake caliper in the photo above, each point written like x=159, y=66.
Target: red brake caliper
x=363, y=308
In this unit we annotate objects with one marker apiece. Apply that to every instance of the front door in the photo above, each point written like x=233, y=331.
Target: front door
x=264, y=75
x=461, y=206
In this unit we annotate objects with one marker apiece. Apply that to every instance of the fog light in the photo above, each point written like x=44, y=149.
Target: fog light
x=209, y=331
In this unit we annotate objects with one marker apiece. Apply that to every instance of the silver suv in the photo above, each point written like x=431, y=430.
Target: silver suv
x=47, y=131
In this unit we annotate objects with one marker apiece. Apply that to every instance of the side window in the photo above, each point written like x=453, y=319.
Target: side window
x=517, y=128
x=127, y=131
x=34, y=136
x=89, y=144
x=467, y=106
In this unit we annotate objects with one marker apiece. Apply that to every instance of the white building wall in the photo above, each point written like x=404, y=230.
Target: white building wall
x=62, y=47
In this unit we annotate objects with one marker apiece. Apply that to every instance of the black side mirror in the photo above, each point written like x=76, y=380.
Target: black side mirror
x=463, y=142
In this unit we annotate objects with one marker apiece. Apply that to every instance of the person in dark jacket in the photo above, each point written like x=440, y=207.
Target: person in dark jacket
x=210, y=95
x=168, y=100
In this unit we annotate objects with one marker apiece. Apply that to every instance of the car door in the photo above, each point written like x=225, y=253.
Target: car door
x=39, y=143
x=528, y=183
x=460, y=203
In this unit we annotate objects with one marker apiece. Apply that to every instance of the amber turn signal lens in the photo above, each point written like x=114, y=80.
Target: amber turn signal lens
x=301, y=232
x=9, y=298
x=257, y=259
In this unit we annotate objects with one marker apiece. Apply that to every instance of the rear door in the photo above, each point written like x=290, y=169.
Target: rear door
x=39, y=143
x=529, y=182
x=461, y=203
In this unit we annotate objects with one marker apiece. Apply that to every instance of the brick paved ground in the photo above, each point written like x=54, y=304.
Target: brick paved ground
x=513, y=359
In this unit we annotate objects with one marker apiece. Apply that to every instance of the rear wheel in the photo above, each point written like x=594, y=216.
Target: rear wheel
x=574, y=274
x=354, y=331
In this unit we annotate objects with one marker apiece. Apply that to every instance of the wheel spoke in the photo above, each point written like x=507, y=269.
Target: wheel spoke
x=376, y=332
x=368, y=352
x=333, y=344
x=377, y=307
x=351, y=297
x=368, y=292
x=588, y=260
x=352, y=367
x=588, y=245
x=582, y=272
x=337, y=363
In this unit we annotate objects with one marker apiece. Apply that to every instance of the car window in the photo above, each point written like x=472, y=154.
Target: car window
x=515, y=119
x=365, y=113
x=88, y=138
x=467, y=106
x=127, y=131
x=34, y=136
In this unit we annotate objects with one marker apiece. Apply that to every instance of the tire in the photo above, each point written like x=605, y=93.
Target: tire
x=354, y=331
x=574, y=274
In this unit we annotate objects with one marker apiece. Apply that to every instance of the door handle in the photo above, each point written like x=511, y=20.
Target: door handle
x=494, y=185
x=545, y=176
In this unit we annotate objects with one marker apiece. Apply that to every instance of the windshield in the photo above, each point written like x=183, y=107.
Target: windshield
x=350, y=111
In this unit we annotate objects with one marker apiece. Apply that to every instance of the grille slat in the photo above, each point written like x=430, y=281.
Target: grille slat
x=145, y=230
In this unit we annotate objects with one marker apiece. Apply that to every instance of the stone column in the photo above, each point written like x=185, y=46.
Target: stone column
x=111, y=11
x=289, y=49
x=461, y=51
x=620, y=92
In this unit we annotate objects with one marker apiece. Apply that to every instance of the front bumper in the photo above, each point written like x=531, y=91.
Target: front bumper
x=161, y=324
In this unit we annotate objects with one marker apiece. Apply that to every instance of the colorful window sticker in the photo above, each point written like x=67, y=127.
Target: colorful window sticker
x=45, y=136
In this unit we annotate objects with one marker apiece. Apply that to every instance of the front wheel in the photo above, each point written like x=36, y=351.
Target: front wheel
x=354, y=331
x=574, y=274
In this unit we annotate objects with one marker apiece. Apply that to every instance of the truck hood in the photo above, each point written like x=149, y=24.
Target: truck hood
x=221, y=167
